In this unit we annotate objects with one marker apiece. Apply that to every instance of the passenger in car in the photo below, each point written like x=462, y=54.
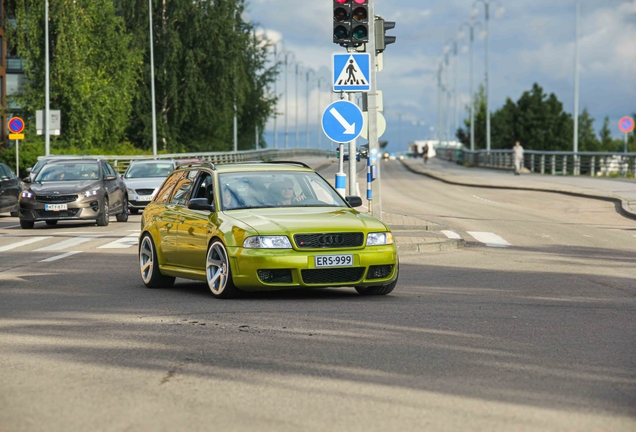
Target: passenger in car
x=282, y=193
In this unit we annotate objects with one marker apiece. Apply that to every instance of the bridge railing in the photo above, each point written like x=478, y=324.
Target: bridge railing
x=121, y=162
x=548, y=162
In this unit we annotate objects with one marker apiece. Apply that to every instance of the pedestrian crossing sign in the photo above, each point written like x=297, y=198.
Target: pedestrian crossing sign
x=351, y=72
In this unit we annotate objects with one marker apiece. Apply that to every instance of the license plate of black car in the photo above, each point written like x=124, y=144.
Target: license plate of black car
x=345, y=260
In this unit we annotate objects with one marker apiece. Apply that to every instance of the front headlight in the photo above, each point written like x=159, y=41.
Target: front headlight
x=27, y=194
x=267, y=242
x=377, y=239
x=90, y=193
x=130, y=191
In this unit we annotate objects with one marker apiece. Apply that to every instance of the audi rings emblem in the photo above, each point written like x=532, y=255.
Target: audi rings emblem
x=329, y=239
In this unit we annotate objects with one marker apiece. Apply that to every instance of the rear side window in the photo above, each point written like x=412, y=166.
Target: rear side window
x=182, y=190
x=168, y=186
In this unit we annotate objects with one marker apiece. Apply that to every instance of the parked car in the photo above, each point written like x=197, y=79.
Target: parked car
x=262, y=226
x=10, y=188
x=73, y=189
x=143, y=178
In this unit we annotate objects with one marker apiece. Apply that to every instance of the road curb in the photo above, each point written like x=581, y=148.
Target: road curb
x=622, y=205
x=447, y=245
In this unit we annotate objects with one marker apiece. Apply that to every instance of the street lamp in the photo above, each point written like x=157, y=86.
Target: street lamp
x=498, y=14
x=307, y=88
x=286, y=55
x=471, y=25
x=276, y=54
x=319, y=123
x=152, y=82
x=298, y=71
x=452, y=44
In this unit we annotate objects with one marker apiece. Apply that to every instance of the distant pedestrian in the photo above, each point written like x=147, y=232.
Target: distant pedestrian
x=425, y=153
x=517, y=153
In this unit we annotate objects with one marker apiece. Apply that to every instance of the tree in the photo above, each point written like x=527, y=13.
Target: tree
x=93, y=66
x=607, y=143
x=504, y=126
x=206, y=66
x=463, y=135
x=587, y=137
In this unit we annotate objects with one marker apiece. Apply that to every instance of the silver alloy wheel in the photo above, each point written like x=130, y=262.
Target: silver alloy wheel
x=217, y=268
x=146, y=259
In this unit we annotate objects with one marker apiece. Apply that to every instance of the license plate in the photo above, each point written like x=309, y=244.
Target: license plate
x=333, y=260
x=54, y=207
x=143, y=198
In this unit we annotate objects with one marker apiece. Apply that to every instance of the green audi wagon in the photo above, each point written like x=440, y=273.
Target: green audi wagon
x=262, y=226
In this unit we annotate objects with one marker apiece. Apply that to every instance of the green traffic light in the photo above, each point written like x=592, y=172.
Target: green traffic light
x=340, y=32
x=360, y=32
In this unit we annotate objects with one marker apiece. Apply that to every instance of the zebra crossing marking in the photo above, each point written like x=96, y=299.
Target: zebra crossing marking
x=67, y=243
x=122, y=243
x=23, y=243
x=489, y=239
x=58, y=257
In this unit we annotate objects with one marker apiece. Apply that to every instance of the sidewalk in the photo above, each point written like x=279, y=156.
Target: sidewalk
x=621, y=191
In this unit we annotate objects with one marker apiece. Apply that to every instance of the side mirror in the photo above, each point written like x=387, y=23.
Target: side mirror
x=4, y=178
x=110, y=178
x=28, y=170
x=354, y=201
x=27, y=180
x=200, y=204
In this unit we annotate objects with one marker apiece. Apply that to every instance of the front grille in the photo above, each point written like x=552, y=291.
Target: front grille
x=57, y=214
x=329, y=240
x=275, y=276
x=379, y=272
x=55, y=199
x=332, y=275
x=144, y=191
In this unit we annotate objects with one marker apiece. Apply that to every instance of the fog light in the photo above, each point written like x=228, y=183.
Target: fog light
x=275, y=276
x=379, y=272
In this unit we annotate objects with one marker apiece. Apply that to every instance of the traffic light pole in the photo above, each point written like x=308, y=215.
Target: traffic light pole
x=372, y=100
x=353, y=180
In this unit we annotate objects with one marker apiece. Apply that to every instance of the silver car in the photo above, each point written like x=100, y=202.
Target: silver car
x=143, y=178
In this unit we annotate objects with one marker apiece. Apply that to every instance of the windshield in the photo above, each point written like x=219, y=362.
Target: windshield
x=68, y=171
x=280, y=189
x=147, y=170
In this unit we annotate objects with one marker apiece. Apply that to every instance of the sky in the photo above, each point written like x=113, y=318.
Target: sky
x=532, y=41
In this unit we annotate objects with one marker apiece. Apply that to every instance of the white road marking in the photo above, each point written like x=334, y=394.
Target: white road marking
x=484, y=199
x=58, y=257
x=67, y=243
x=589, y=236
x=451, y=234
x=22, y=243
x=10, y=226
x=490, y=239
x=122, y=243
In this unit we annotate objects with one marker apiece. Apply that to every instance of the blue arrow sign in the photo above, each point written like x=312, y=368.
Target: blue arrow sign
x=351, y=72
x=342, y=121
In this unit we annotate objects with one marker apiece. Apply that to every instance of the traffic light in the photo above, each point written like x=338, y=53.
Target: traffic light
x=381, y=39
x=350, y=22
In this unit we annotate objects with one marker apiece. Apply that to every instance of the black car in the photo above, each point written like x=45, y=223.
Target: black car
x=10, y=188
x=74, y=189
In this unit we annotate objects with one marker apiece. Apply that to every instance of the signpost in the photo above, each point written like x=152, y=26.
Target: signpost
x=16, y=127
x=626, y=125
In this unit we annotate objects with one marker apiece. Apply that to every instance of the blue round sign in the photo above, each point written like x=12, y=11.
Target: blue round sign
x=342, y=121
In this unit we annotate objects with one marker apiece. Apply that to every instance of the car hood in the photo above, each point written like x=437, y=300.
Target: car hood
x=64, y=187
x=307, y=219
x=144, y=183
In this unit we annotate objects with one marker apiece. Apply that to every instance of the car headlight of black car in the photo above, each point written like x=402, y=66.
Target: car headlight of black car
x=267, y=242
x=91, y=192
x=27, y=194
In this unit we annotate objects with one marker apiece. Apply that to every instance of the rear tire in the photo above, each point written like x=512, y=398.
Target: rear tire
x=25, y=224
x=15, y=213
x=51, y=222
x=123, y=216
x=104, y=216
x=149, y=265
x=218, y=273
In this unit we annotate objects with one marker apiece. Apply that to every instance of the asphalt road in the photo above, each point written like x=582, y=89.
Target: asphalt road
x=529, y=327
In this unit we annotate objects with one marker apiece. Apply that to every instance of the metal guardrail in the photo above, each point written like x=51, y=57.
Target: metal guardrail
x=593, y=164
x=121, y=162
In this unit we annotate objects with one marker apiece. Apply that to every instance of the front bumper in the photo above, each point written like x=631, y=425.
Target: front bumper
x=296, y=269
x=88, y=209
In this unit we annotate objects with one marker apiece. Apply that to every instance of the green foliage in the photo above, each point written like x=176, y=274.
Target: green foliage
x=587, y=137
x=93, y=68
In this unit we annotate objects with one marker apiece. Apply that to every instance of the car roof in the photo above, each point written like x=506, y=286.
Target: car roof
x=151, y=161
x=58, y=161
x=252, y=166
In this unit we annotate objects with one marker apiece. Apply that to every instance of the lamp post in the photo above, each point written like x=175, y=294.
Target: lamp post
x=319, y=123
x=298, y=71
x=498, y=14
x=307, y=88
x=440, y=71
x=287, y=54
x=152, y=82
x=47, y=101
x=451, y=48
x=276, y=53
x=471, y=25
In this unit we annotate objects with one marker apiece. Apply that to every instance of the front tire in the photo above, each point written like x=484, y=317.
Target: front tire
x=149, y=265
x=25, y=224
x=104, y=216
x=123, y=216
x=381, y=289
x=218, y=273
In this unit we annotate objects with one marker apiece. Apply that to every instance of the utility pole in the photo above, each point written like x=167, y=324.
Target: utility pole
x=47, y=89
x=372, y=100
x=576, y=79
